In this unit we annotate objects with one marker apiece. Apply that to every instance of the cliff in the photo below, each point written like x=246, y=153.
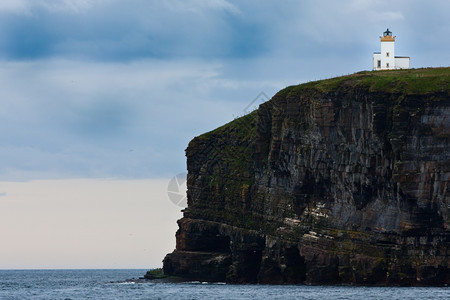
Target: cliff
x=344, y=180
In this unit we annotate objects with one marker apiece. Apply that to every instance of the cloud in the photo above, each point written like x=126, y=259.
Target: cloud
x=85, y=82
x=2, y=194
x=28, y=7
x=113, y=30
x=73, y=6
x=65, y=119
x=389, y=16
x=14, y=6
x=199, y=6
x=341, y=23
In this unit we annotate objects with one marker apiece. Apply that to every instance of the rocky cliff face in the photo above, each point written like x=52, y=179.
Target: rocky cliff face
x=345, y=180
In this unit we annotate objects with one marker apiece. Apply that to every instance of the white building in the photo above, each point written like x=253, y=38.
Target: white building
x=386, y=59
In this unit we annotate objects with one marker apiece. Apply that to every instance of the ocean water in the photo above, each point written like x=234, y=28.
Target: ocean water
x=125, y=284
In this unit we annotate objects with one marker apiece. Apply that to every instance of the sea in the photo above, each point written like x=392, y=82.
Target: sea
x=125, y=284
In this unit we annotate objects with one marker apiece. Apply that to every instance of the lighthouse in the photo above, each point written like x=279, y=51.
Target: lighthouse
x=386, y=59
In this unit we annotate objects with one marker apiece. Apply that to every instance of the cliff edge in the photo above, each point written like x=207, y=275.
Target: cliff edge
x=344, y=180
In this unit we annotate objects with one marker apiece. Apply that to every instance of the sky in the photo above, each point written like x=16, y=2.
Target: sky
x=99, y=99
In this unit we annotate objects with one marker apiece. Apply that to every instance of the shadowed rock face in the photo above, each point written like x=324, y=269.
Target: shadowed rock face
x=337, y=181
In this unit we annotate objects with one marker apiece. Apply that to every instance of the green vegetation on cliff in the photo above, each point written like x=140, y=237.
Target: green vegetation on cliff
x=406, y=82
x=409, y=81
x=228, y=152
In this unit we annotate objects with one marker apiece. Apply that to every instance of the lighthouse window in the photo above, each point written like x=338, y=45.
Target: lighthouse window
x=387, y=65
x=387, y=54
x=379, y=63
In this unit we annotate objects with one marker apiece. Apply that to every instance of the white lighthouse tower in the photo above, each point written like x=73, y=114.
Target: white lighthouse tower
x=386, y=59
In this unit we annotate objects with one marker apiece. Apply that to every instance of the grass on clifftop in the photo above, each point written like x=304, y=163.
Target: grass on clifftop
x=408, y=81
x=243, y=127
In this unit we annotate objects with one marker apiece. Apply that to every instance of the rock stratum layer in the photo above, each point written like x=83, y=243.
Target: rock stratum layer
x=344, y=180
